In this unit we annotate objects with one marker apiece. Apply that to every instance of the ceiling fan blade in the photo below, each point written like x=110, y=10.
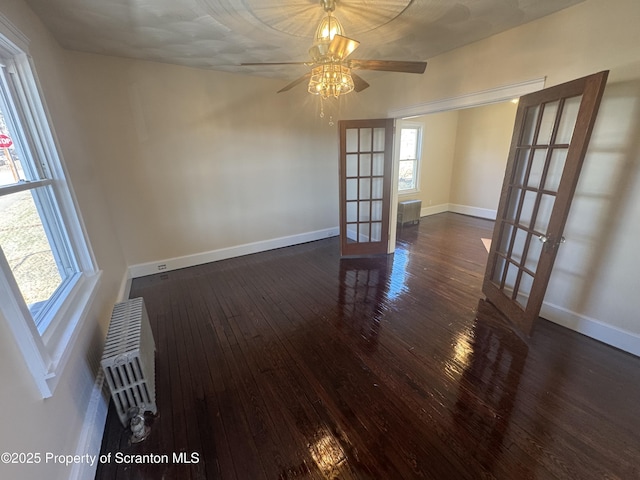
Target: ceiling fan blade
x=274, y=63
x=359, y=83
x=341, y=47
x=295, y=82
x=389, y=65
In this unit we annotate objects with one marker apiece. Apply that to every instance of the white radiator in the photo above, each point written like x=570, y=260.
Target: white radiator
x=409, y=211
x=128, y=359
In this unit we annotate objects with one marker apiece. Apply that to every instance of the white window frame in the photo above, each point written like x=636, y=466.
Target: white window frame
x=412, y=126
x=47, y=351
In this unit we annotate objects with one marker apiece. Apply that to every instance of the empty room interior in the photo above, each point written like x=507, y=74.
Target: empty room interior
x=196, y=154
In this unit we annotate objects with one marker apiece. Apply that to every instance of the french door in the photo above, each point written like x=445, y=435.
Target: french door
x=366, y=167
x=549, y=142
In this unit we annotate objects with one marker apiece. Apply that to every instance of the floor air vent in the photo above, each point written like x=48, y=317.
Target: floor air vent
x=128, y=360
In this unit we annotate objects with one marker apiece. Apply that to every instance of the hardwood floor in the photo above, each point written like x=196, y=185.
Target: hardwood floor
x=293, y=364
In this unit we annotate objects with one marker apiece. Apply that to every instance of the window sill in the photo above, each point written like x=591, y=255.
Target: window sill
x=70, y=320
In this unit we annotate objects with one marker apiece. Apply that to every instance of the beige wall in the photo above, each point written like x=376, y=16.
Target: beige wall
x=482, y=146
x=29, y=423
x=196, y=160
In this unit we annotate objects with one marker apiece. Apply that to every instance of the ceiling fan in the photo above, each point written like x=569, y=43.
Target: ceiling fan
x=331, y=70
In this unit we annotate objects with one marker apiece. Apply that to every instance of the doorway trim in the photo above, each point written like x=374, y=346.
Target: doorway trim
x=475, y=99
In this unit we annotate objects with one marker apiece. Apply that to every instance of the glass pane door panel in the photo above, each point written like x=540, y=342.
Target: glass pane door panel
x=533, y=254
x=352, y=211
x=352, y=165
x=544, y=213
x=378, y=139
x=365, y=189
x=524, y=289
x=537, y=168
x=529, y=128
x=378, y=164
x=528, y=204
x=511, y=277
x=517, y=251
x=556, y=167
x=498, y=271
x=512, y=208
x=365, y=139
x=376, y=231
x=27, y=249
x=352, y=189
x=568, y=119
x=352, y=232
x=365, y=165
x=549, y=115
x=351, y=143
x=520, y=170
x=505, y=238
x=377, y=185
x=376, y=211
x=363, y=233
x=365, y=211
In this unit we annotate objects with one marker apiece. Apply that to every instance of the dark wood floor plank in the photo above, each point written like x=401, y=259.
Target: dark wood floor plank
x=294, y=364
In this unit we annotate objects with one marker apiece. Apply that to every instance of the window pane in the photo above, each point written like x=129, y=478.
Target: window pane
x=11, y=170
x=406, y=177
x=408, y=143
x=36, y=267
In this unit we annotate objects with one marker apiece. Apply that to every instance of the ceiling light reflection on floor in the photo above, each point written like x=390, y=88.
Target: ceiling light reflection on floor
x=327, y=453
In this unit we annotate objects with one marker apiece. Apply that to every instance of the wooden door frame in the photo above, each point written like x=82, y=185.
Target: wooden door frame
x=360, y=249
x=593, y=88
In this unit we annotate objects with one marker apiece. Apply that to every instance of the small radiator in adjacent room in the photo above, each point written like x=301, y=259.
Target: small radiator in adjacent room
x=128, y=360
x=409, y=211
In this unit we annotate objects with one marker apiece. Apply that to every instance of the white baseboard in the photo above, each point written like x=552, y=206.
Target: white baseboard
x=616, y=337
x=434, y=209
x=142, y=269
x=473, y=211
x=92, y=431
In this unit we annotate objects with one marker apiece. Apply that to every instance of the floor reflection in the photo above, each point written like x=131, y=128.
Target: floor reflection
x=364, y=285
x=399, y=274
x=489, y=384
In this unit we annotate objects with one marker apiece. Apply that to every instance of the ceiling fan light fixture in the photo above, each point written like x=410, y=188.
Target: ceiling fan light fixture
x=328, y=28
x=330, y=80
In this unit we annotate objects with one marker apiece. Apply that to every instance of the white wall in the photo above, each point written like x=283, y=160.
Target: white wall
x=29, y=423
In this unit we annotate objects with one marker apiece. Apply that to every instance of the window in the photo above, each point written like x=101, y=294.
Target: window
x=410, y=146
x=47, y=271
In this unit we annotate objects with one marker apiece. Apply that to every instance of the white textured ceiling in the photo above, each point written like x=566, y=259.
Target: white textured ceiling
x=221, y=34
